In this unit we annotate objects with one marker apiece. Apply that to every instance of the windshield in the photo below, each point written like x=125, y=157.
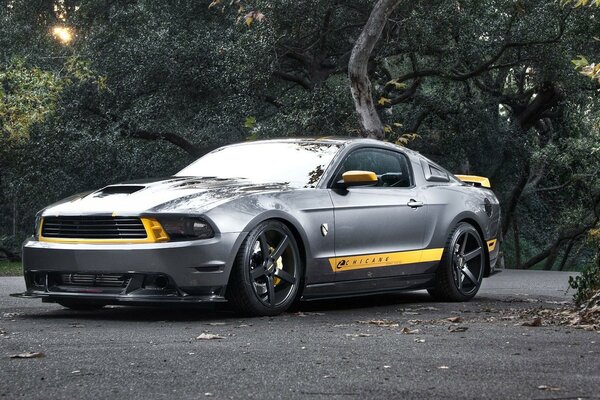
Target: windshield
x=300, y=164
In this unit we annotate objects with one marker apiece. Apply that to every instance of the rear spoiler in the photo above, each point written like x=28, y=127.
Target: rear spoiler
x=479, y=181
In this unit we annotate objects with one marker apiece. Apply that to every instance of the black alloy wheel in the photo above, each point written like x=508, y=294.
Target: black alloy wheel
x=266, y=276
x=462, y=266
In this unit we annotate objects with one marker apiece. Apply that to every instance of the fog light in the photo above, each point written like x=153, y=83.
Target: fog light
x=39, y=279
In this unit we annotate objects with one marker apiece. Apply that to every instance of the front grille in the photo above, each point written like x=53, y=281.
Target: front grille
x=95, y=280
x=93, y=228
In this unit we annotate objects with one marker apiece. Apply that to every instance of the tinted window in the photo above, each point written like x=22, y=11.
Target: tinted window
x=437, y=172
x=299, y=164
x=391, y=167
x=434, y=173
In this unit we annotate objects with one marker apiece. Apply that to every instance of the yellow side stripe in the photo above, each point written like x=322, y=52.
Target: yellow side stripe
x=154, y=234
x=385, y=259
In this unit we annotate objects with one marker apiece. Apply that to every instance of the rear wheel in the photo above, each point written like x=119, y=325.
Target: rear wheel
x=81, y=305
x=267, y=272
x=462, y=266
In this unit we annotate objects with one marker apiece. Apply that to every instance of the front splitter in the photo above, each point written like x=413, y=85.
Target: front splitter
x=120, y=299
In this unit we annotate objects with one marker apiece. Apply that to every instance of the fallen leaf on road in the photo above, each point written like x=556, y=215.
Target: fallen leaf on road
x=29, y=354
x=306, y=314
x=443, y=367
x=358, y=335
x=380, y=322
x=455, y=329
x=537, y=321
x=408, y=331
x=455, y=320
x=10, y=315
x=426, y=309
x=420, y=340
x=3, y=332
x=208, y=336
x=548, y=388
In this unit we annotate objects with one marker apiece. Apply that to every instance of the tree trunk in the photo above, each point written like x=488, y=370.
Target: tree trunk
x=572, y=242
x=517, y=241
x=360, y=85
x=565, y=235
x=513, y=200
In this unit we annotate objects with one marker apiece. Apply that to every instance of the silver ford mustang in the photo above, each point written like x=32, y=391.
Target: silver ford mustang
x=264, y=224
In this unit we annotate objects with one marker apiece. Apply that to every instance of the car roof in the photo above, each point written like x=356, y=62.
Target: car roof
x=338, y=140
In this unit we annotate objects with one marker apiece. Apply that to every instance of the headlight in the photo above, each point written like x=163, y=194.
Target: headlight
x=187, y=228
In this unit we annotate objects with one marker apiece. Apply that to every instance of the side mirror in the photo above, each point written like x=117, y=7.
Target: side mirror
x=358, y=178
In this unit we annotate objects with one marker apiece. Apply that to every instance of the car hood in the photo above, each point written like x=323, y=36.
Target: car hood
x=186, y=195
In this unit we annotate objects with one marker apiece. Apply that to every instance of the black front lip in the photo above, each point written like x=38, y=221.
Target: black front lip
x=119, y=299
x=133, y=287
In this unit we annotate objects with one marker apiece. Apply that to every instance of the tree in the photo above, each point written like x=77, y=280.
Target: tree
x=360, y=85
x=482, y=87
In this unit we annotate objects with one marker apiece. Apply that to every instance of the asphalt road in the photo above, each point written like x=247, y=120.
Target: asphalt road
x=320, y=352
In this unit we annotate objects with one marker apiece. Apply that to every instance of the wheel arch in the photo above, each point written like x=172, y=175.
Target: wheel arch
x=294, y=226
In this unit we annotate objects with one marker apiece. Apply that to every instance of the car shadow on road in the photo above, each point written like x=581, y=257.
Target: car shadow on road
x=189, y=313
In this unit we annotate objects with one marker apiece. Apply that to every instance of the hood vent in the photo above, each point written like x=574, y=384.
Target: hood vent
x=119, y=189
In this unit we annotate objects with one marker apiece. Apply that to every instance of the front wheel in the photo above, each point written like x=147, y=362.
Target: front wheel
x=267, y=271
x=462, y=266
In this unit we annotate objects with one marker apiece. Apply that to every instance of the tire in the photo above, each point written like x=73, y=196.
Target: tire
x=267, y=273
x=80, y=305
x=461, y=269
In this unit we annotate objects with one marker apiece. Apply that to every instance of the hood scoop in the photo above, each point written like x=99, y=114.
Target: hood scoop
x=118, y=189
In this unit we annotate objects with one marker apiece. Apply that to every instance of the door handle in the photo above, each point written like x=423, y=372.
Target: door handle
x=414, y=204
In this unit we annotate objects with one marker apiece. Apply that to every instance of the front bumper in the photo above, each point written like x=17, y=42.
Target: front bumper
x=190, y=271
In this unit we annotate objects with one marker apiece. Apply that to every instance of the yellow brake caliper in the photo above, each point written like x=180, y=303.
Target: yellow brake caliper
x=278, y=265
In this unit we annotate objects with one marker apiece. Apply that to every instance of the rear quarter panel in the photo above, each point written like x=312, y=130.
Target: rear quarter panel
x=449, y=204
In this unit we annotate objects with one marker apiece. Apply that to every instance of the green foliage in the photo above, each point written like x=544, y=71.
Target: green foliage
x=591, y=70
x=581, y=3
x=8, y=268
x=27, y=96
x=30, y=95
x=587, y=283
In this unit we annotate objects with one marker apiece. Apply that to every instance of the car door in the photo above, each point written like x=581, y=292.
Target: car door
x=378, y=229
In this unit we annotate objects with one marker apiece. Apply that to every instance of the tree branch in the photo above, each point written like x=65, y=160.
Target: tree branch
x=293, y=78
x=486, y=65
x=172, y=138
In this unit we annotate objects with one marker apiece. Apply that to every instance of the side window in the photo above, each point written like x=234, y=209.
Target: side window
x=433, y=173
x=437, y=172
x=390, y=167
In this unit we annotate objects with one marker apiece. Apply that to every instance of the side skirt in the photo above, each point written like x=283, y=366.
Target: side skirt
x=362, y=287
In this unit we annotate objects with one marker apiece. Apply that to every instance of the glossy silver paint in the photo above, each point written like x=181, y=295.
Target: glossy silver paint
x=359, y=220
